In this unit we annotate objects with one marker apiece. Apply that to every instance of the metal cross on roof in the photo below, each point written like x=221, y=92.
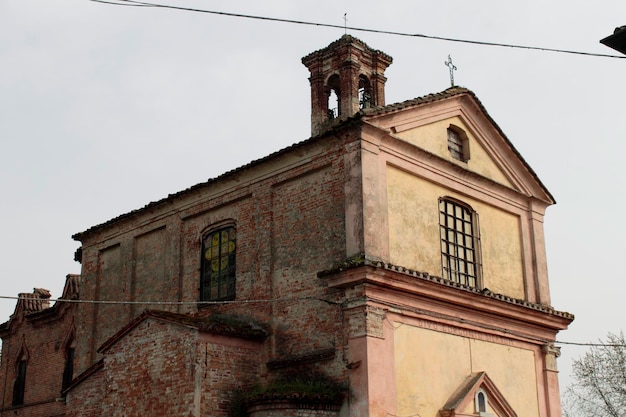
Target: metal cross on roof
x=452, y=67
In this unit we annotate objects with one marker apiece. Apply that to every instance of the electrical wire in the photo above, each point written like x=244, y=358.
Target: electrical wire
x=136, y=3
x=289, y=299
x=591, y=344
x=165, y=303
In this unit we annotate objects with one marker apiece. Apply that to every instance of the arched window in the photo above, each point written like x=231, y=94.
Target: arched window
x=458, y=143
x=334, y=97
x=19, y=385
x=365, y=93
x=458, y=226
x=218, y=265
x=481, y=402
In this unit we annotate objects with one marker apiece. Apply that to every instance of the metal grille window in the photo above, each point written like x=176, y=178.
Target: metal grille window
x=218, y=265
x=459, y=242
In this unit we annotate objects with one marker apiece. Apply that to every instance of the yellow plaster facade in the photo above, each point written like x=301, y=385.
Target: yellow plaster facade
x=413, y=214
x=430, y=365
x=433, y=138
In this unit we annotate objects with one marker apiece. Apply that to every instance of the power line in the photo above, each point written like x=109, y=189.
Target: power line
x=260, y=301
x=136, y=3
x=165, y=303
x=591, y=344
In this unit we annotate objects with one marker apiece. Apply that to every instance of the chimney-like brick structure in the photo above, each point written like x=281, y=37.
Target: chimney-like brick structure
x=356, y=74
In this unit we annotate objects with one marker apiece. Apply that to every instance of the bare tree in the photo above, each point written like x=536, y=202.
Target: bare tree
x=599, y=387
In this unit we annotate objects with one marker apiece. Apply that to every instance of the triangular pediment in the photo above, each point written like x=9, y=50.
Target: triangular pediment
x=477, y=396
x=424, y=123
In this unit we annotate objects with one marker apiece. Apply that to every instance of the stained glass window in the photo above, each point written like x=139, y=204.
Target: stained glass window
x=218, y=265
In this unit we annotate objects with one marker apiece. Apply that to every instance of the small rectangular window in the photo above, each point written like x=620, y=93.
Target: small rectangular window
x=458, y=144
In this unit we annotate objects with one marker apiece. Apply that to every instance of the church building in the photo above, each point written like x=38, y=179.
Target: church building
x=393, y=264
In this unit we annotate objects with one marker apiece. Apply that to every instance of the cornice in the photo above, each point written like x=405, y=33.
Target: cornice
x=401, y=288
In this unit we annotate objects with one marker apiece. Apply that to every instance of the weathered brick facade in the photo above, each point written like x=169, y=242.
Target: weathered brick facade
x=309, y=329
x=41, y=336
x=174, y=363
x=288, y=228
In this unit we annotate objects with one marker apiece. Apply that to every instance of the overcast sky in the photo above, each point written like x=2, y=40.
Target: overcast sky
x=105, y=108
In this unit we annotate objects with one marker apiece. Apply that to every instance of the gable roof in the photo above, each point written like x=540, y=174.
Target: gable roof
x=357, y=119
x=465, y=394
x=36, y=305
x=216, y=324
x=378, y=112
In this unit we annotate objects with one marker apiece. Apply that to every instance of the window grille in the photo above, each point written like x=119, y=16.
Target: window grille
x=459, y=242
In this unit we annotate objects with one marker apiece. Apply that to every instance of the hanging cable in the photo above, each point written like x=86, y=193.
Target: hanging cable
x=135, y=3
x=295, y=299
x=169, y=303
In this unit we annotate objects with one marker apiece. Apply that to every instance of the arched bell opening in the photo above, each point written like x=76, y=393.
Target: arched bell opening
x=334, y=97
x=366, y=96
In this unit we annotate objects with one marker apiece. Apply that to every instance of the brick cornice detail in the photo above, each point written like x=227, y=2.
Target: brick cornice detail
x=438, y=300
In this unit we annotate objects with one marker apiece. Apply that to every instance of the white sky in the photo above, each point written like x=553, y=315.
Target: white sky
x=106, y=108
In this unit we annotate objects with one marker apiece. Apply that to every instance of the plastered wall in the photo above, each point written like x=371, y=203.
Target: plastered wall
x=414, y=240
x=430, y=366
x=434, y=138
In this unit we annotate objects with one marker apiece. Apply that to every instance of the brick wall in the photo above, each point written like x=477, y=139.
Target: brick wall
x=290, y=219
x=230, y=365
x=151, y=371
x=40, y=338
x=287, y=409
x=86, y=398
x=163, y=368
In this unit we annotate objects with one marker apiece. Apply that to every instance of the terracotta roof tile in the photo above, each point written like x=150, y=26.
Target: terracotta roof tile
x=36, y=301
x=216, y=324
x=357, y=118
x=448, y=93
x=360, y=262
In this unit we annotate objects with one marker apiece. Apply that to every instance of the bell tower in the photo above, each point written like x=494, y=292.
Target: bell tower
x=346, y=77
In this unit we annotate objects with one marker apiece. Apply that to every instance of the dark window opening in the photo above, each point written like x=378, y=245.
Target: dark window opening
x=365, y=93
x=459, y=242
x=481, y=402
x=68, y=371
x=218, y=265
x=20, y=384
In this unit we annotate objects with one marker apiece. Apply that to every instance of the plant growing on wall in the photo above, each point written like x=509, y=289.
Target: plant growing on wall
x=302, y=388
